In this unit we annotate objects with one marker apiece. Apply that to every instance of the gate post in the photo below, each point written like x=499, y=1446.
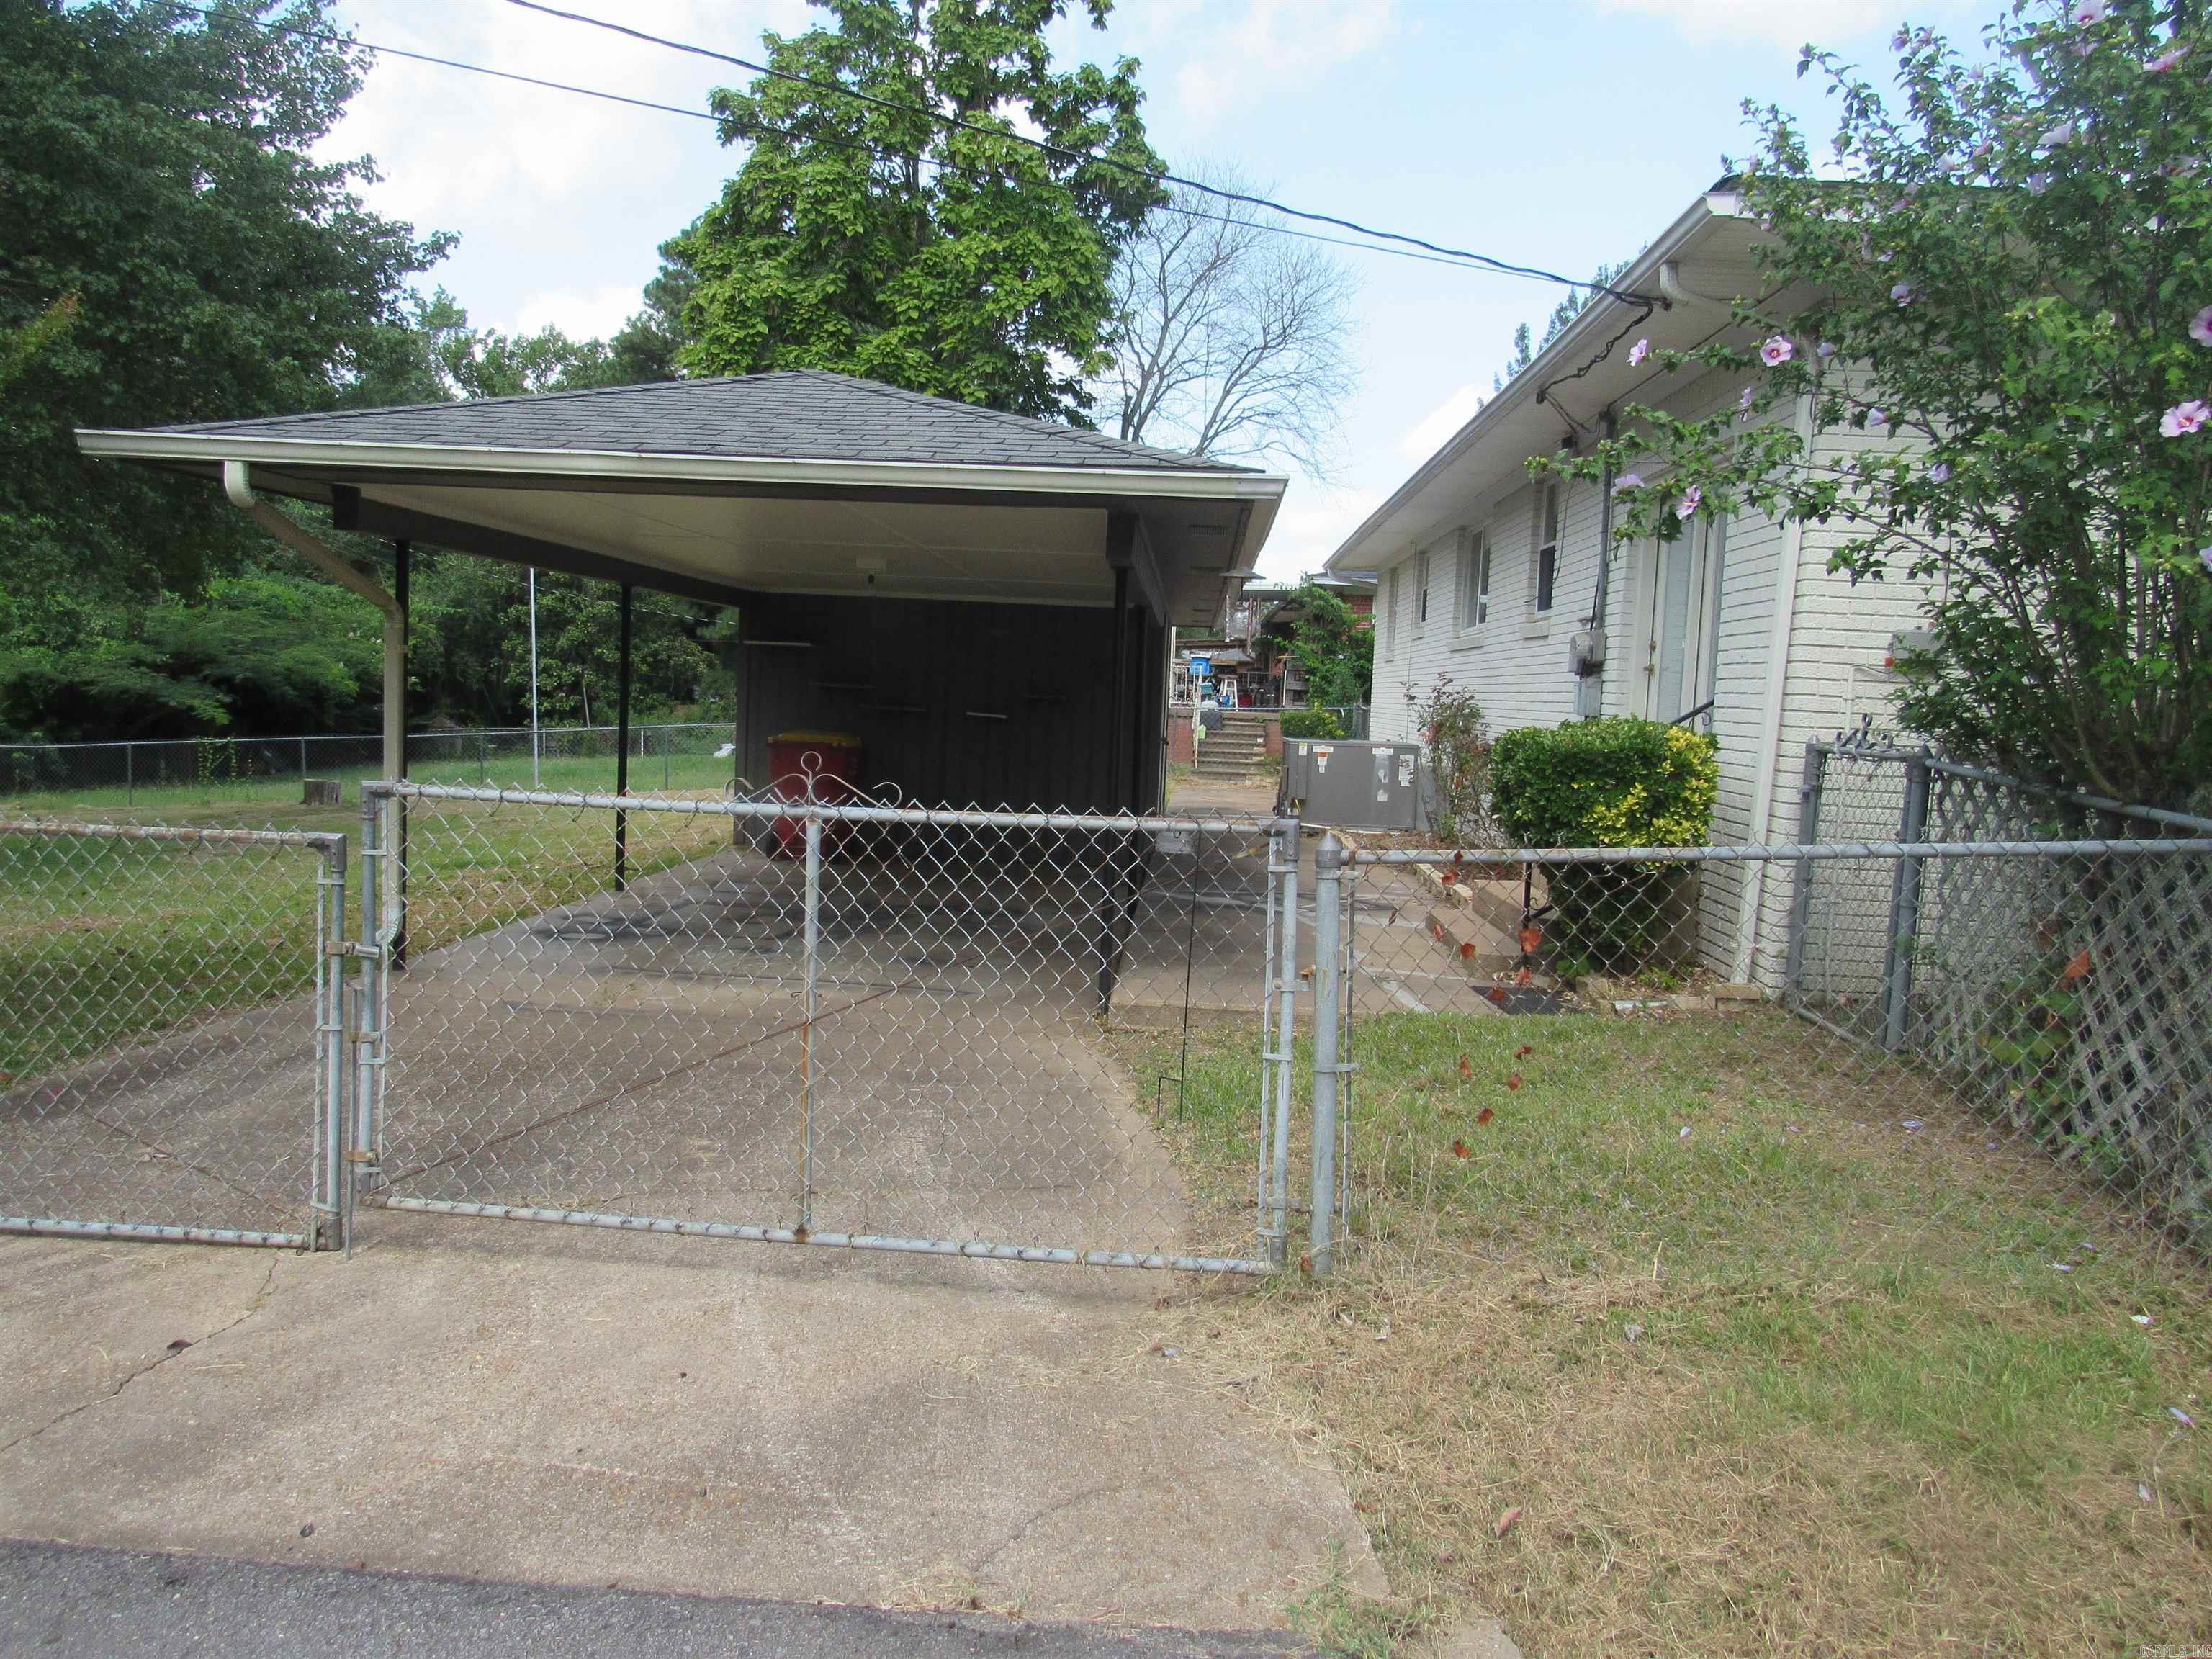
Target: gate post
x=1904, y=910
x=1282, y=873
x=1329, y=1026
x=806, y=1036
x=330, y=1223
x=1801, y=895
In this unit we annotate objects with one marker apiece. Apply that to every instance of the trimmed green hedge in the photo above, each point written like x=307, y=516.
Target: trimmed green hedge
x=1310, y=723
x=1617, y=782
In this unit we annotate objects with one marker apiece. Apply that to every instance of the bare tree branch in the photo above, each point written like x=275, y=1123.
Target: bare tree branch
x=1229, y=341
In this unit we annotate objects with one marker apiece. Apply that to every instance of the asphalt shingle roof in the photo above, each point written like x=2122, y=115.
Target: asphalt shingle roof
x=793, y=415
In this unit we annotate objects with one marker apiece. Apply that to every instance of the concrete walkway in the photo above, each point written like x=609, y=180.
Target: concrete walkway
x=499, y=1401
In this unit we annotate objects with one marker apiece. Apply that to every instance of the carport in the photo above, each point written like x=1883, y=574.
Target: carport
x=985, y=600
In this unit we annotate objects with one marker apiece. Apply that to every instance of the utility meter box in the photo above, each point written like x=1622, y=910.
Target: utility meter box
x=1352, y=784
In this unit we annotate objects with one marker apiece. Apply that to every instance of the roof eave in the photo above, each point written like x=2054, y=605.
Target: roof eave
x=1578, y=338
x=584, y=466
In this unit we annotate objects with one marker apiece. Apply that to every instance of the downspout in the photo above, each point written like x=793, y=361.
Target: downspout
x=238, y=484
x=1789, y=568
x=1591, y=704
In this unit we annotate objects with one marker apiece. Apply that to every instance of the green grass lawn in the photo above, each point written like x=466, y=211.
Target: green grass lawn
x=1753, y=1367
x=108, y=942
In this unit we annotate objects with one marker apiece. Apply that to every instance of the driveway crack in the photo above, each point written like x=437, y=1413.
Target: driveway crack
x=253, y=1306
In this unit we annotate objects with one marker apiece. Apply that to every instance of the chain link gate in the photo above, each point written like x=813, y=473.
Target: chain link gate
x=862, y=1026
x=172, y=1044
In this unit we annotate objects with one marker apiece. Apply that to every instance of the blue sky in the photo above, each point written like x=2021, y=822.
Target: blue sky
x=1556, y=134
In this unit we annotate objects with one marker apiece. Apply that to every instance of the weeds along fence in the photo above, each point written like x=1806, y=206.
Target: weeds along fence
x=689, y=756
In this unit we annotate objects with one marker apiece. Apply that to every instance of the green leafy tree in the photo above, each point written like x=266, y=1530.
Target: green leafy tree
x=1333, y=648
x=157, y=171
x=157, y=166
x=2007, y=312
x=878, y=241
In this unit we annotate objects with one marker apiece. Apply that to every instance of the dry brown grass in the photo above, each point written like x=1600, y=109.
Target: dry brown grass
x=1795, y=1384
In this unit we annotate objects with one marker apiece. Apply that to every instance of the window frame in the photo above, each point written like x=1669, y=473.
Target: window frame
x=1390, y=612
x=1475, y=574
x=1424, y=574
x=1552, y=518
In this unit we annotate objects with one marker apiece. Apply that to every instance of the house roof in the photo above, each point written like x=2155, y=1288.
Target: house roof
x=794, y=481
x=1694, y=271
x=801, y=414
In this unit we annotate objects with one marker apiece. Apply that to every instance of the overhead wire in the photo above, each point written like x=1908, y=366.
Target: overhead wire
x=1064, y=153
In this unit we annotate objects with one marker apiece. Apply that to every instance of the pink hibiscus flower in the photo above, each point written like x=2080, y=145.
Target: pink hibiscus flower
x=1688, y=505
x=1638, y=352
x=1776, y=352
x=2185, y=418
x=2200, y=326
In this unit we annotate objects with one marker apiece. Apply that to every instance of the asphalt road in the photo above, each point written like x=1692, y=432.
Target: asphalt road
x=64, y=1599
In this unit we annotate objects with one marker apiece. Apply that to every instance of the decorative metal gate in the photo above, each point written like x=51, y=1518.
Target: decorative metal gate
x=171, y=1046
x=872, y=1027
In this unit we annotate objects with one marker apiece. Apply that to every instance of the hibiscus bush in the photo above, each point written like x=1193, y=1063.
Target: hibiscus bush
x=2000, y=275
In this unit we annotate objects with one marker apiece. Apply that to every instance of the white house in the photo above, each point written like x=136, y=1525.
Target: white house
x=1739, y=627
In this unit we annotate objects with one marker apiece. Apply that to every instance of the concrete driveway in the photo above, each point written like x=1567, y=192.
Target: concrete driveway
x=564, y=1407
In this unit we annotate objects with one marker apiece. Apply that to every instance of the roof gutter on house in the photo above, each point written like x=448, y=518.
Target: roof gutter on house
x=1539, y=382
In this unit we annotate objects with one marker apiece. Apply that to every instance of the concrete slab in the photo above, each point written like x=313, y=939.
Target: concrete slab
x=558, y=1406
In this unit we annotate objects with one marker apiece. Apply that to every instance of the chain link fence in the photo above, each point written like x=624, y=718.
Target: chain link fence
x=172, y=1043
x=689, y=757
x=873, y=1027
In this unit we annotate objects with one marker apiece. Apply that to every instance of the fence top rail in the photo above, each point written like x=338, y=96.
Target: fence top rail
x=827, y=812
x=1475, y=857
x=361, y=737
x=1983, y=774
x=328, y=843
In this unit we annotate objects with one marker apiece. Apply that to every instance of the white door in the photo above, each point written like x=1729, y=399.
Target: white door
x=1681, y=618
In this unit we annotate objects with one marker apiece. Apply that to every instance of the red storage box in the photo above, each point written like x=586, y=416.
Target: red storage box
x=820, y=767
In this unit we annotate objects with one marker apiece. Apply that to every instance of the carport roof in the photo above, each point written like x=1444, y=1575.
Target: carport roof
x=799, y=482
x=801, y=414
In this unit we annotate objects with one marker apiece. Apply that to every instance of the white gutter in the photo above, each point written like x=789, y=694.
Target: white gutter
x=1574, y=343
x=1790, y=565
x=238, y=484
x=205, y=448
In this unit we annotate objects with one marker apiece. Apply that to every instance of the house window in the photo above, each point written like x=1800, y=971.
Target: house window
x=1548, y=550
x=1390, y=614
x=1474, y=580
x=1420, y=592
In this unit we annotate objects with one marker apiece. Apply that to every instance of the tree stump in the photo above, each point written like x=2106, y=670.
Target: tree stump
x=321, y=792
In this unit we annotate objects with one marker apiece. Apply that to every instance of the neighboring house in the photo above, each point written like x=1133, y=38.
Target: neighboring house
x=1253, y=643
x=1739, y=627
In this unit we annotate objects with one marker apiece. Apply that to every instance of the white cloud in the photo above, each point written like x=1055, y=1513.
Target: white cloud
x=1272, y=48
x=1314, y=521
x=1430, y=433
x=1790, y=26
x=581, y=314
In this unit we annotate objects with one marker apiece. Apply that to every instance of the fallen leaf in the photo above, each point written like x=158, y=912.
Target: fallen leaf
x=1683, y=1133
x=1459, y=1150
x=1522, y=1052
x=1497, y=995
x=1484, y=1116
x=1363, y=1506
x=2079, y=967
x=1524, y=977
x=1506, y=1522
x=2062, y=1266
x=1914, y=1123
x=178, y=1344
x=1530, y=938
x=2142, y=1319
x=1467, y=950
x=1513, y=1082
x=1465, y=1070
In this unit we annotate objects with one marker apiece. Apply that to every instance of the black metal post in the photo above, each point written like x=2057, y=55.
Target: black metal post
x=621, y=745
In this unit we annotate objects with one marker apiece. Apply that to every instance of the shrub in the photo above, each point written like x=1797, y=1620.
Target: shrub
x=1614, y=782
x=1450, y=724
x=1310, y=723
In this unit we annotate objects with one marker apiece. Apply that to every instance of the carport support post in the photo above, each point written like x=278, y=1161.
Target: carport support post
x=622, y=744
x=1329, y=1026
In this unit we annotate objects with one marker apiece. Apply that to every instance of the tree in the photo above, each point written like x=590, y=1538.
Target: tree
x=1565, y=312
x=1229, y=340
x=646, y=348
x=2010, y=315
x=1331, y=648
x=158, y=165
x=873, y=239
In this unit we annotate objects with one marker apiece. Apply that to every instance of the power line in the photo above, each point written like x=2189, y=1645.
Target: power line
x=1063, y=152
x=1453, y=261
